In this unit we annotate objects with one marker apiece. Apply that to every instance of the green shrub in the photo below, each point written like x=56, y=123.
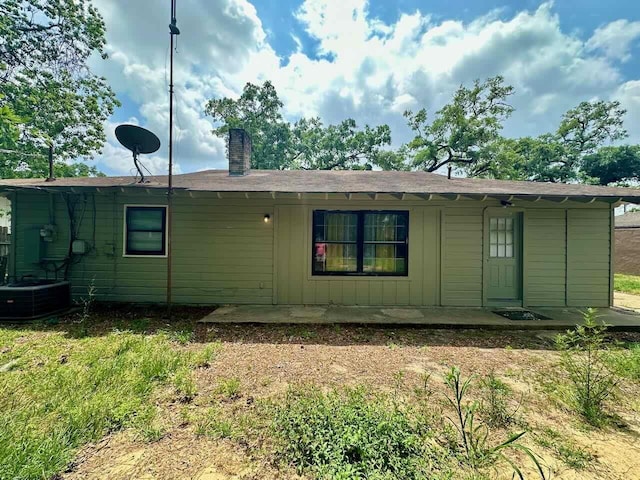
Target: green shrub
x=351, y=434
x=584, y=359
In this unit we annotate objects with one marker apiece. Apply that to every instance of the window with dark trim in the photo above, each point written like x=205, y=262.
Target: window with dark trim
x=363, y=242
x=145, y=232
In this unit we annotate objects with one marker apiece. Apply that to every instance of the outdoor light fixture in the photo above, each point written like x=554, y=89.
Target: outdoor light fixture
x=267, y=218
x=506, y=203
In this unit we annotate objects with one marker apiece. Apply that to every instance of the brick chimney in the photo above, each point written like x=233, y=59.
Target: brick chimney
x=239, y=152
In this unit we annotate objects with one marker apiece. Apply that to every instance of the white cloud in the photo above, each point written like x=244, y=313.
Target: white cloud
x=615, y=39
x=365, y=69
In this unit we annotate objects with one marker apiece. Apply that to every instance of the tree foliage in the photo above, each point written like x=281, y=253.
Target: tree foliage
x=560, y=156
x=459, y=131
x=608, y=165
x=306, y=144
x=47, y=92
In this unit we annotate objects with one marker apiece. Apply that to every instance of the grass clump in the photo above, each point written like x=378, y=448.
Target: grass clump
x=352, y=434
x=567, y=451
x=229, y=388
x=65, y=392
x=584, y=359
x=626, y=361
x=626, y=283
x=212, y=424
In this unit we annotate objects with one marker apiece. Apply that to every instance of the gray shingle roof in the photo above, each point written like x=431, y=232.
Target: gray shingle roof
x=337, y=181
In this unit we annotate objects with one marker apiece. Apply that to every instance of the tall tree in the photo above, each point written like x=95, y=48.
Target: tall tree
x=608, y=165
x=307, y=144
x=583, y=130
x=258, y=111
x=558, y=156
x=47, y=86
x=342, y=146
x=459, y=131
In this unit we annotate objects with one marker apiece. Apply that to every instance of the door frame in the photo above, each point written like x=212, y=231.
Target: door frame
x=497, y=211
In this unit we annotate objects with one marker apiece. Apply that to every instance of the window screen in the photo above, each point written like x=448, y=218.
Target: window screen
x=501, y=237
x=360, y=243
x=145, y=230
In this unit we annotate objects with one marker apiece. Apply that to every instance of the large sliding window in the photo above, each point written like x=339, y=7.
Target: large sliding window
x=145, y=231
x=360, y=242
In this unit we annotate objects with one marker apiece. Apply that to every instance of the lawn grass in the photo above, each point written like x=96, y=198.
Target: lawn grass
x=627, y=283
x=58, y=393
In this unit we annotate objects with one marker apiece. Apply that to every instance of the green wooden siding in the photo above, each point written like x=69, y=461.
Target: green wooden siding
x=296, y=284
x=462, y=242
x=545, y=257
x=225, y=253
x=223, y=249
x=588, y=262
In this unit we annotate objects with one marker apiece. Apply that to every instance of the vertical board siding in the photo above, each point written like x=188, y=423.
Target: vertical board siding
x=462, y=257
x=545, y=257
x=296, y=285
x=588, y=257
x=222, y=251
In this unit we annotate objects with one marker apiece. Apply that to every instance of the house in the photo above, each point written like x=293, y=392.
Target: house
x=627, y=243
x=319, y=237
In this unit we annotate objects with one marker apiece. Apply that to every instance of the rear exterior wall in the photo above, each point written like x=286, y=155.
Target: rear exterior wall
x=225, y=253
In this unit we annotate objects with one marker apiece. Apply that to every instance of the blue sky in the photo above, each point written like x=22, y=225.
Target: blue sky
x=368, y=60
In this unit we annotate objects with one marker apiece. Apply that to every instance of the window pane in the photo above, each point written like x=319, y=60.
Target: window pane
x=381, y=258
x=501, y=222
x=493, y=237
x=509, y=251
x=145, y=242
x=145, y=218
x=500, y=250
x=385, y=227
x=493, y=251
x=509, y=224
x=335, y=257
x=335, y=227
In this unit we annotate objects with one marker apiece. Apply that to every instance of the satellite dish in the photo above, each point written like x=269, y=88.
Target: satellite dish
x=138, y=140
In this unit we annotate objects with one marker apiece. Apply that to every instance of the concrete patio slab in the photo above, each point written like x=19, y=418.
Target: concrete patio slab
x=435, y=317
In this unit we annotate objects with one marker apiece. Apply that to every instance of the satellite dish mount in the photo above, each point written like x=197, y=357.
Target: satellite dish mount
x=138, y=140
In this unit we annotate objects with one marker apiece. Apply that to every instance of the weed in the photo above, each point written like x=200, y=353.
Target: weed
x=229, y=387
x=87, y=304
x=352, y=434
x=211, y=424
x=584, y=361
x=478, y=453
x=183, y=337
x=184, y=384
x=495, y=407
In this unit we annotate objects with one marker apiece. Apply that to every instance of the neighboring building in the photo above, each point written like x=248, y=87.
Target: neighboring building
x=320, y=237
x=5, y=213
x=627, y=245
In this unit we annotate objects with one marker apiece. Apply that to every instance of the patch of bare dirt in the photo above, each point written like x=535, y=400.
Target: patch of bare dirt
x=267, y=360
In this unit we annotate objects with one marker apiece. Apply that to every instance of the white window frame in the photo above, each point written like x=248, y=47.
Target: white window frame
x=124, y=231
